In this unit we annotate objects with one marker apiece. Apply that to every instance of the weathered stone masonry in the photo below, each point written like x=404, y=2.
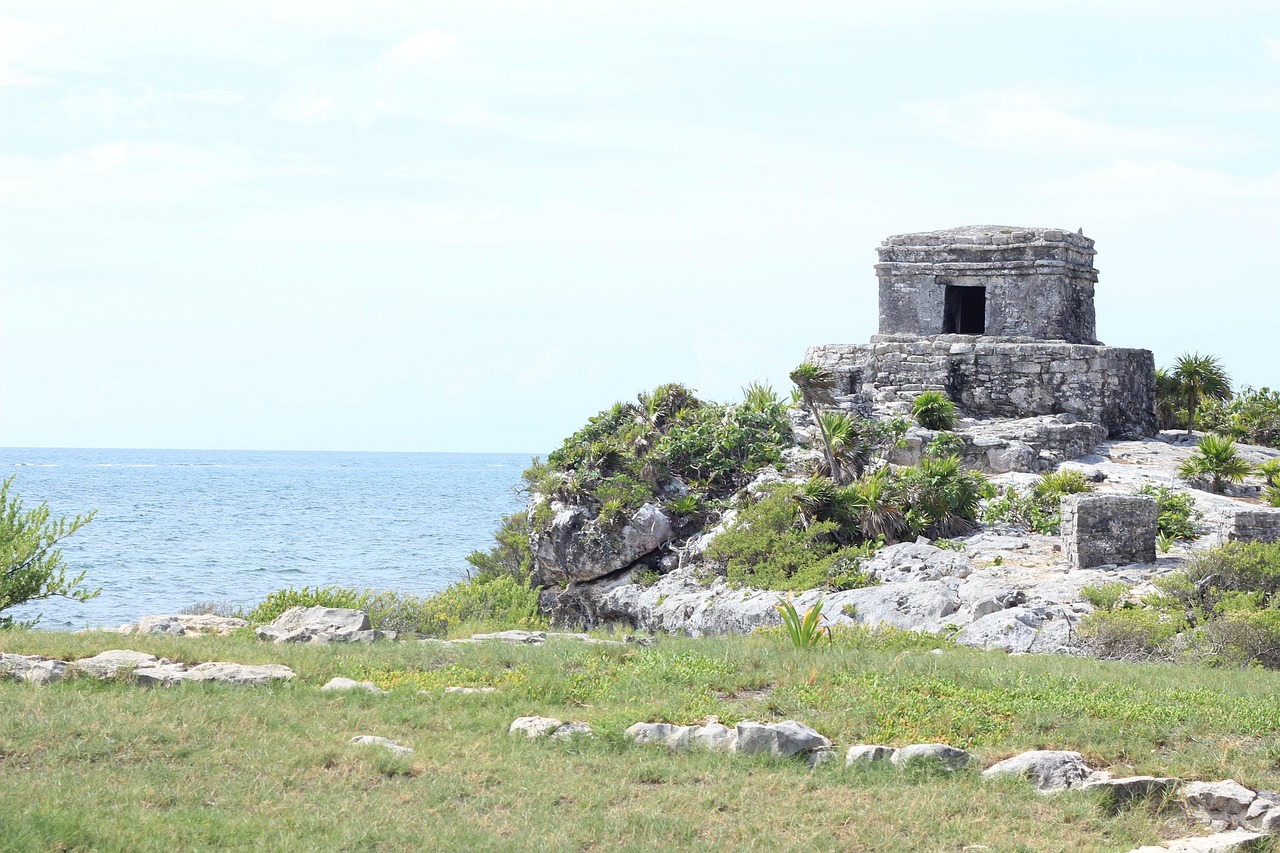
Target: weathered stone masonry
x=1001, y=320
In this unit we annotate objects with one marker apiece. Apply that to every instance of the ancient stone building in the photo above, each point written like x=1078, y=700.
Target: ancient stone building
x=1001, y=320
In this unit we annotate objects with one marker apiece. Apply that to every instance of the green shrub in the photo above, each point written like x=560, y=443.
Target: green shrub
x=932, y=410
x=768, y=547
x=1106, y=596
x=939, y=498
x=1140, y=633
x=1040, y=509
x=510, y=555
x=500, y=602
x=1251, y=416
x=1177, y=514
x=327, y=596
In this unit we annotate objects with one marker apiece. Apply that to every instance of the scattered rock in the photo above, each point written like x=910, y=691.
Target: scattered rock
x=1049, y=769
x=571, y=730
x=948, y=757
x=186, y=624
x=713, y=736
x=467, y=691
x=1224, y=804
x=352, y=684
x=234, y=674
x=778, y=739
x=1221, y=842
x=322, y=625
x=374, y=740
x=108, y=664
x=534, y=727
x=33, y=669
x=1128, y=788
x=868, y=753
x=530, y=638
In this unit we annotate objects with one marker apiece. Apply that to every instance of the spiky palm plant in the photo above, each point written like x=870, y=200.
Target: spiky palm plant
x=817, y=386
x=873, y=503
x=933, y=410
x=1215, y=458
x=1269, y=471
x=1168, y=397
x=1200, y=377
x=850, y=447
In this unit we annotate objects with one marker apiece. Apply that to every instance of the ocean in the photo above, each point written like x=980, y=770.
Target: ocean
x=178, y=527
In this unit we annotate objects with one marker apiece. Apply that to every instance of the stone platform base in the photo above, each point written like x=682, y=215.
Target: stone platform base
x=1002, y=377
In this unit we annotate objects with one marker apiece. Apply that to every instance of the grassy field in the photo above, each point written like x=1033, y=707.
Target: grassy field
x=108, y=766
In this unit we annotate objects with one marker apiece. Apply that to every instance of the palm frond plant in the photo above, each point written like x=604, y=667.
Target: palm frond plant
x=851, y=446
x=873, y=502
x=805, y=631
x=1169, y=398
x=1216, y=459
x=1269, y=471
x=1200, y=377
x=933, y=410
x=817, y=386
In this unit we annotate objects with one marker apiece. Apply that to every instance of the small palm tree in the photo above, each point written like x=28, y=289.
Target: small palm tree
x=1200, y=377
x=817, y=386
x=850, y=446
x=1215, y=458
x=1168, y=396
x=933, y=410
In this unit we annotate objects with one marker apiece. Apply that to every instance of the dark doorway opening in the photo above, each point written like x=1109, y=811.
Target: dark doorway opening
x=965, y=310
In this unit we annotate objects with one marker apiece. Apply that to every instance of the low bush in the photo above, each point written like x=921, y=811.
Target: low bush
x=1251, y=415
x=500, y=601
x=321, y=596
x=1105, y=596
x=1177, y=516
x=1039, y=509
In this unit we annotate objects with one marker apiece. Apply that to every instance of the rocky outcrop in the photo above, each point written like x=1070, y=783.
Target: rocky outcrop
x=1047, y=769
x=185, y=624
x=322, y=625
x=143, y=669
x=577, y=545
x=33, y=669
x=997, y=447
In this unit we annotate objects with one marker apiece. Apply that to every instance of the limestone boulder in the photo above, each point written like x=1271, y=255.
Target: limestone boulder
x=1048, y=769
x=322, y=625
x=109, y=664
x=579, y=546
x=33, y=669
x=932, y=754
x=534, y=727
x=345, y=684
x=778, y=739
x=188, y=624
x=1224, y=804
x=220, y=672
x=868, y=753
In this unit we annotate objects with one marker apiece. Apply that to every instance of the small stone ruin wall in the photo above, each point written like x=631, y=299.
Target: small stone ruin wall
x=1257, y=525
x=1006, y=378
x=1099, y=530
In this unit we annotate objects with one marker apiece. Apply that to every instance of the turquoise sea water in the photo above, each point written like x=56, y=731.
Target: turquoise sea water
x=176, y=527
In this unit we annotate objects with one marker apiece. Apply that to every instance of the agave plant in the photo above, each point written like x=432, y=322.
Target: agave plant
x=1216, y=459
x=806, y=630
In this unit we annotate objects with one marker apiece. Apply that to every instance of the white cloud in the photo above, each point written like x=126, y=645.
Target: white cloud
x=424, y=47
x=1026, y=119
x=117, y=173
x=1273, y=48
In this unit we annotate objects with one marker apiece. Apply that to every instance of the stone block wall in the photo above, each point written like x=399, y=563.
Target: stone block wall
x=1098, y=530
x=1255, y=525
x=1037, y=282
x=1003, y=377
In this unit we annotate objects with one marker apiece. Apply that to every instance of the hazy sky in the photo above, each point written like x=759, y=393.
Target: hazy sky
x=401, y=226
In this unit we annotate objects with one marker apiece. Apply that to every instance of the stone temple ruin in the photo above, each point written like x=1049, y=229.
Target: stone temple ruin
x=1001, y=320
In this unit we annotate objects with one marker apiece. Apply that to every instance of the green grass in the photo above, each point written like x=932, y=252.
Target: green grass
x=91, y=766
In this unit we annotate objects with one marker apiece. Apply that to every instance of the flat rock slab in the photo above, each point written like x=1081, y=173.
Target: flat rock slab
x=108, y=664
x=1048, y=769
x=343, y=684
x=778, y=739
x=1224, y=804
x=1221, y=842
x=187, y=624
x=467, y=691
x=868, y=753
x=1128, y=788
x=389, y=745
x=322, y=625
x=712, y=736
x=218, y=672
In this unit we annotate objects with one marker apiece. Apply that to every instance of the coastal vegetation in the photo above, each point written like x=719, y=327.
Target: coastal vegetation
x=31, y=564
x=105, y=766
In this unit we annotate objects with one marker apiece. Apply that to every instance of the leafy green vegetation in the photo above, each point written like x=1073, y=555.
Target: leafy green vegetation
x=1217, y=460
x=1251, y=416
x=1222, y=610
x=1039, y=509
x=1200, y=378
x=625, y=455
x=933, y=410
x=31, y=566
x=1177, y=516
x=199, y=767
x=804, y=630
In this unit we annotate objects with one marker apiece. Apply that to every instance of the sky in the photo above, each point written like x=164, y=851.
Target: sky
x=422, y=226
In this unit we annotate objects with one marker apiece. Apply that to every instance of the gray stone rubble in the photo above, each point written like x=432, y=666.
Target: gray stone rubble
x=322, y=625
x=143, y=669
